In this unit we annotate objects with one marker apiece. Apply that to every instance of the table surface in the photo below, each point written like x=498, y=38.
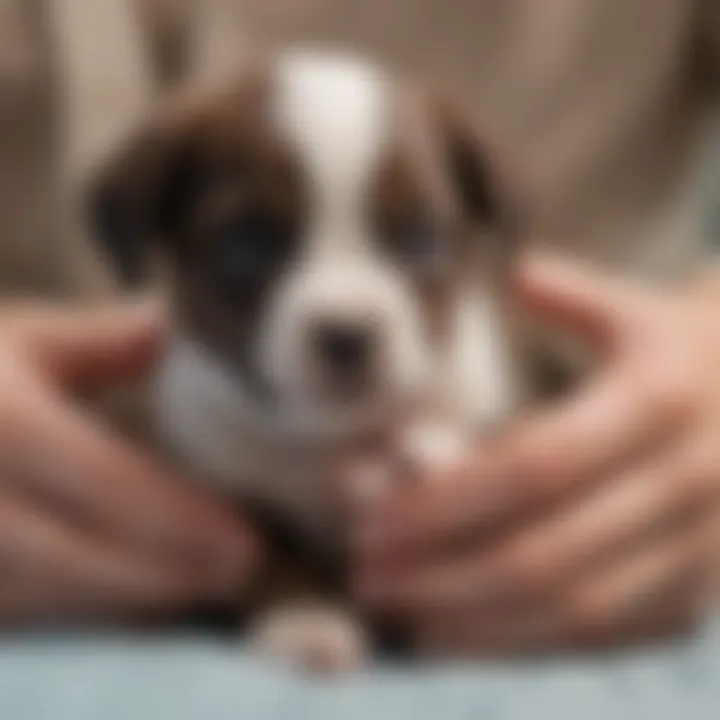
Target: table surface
x=195, y=677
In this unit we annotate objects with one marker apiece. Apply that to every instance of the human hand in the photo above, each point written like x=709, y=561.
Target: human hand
x=92, y=527
x=591, y=522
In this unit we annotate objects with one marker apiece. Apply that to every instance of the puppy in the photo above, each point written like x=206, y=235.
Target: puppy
x=338, y=242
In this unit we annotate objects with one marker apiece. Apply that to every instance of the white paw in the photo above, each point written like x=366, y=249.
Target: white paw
x=316, y=638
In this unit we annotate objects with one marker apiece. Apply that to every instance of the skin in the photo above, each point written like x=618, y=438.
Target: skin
x=590, y=522
x=92, y=527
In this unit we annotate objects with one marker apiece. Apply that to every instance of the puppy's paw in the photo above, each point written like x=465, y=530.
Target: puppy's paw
x=315, y=638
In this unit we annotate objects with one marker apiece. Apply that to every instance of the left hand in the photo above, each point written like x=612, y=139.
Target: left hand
x=595, y=521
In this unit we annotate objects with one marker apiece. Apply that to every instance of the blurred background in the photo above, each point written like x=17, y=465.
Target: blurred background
x=596, y=103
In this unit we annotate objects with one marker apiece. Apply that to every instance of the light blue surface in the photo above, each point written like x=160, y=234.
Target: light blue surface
x=194, y=678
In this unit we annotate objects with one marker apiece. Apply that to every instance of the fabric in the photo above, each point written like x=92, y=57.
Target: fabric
x=73, y=78
x=595, y=104
x=710, y=21
x=195, y=678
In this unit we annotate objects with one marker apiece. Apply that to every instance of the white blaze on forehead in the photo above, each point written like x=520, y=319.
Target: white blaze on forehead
x=334, y=110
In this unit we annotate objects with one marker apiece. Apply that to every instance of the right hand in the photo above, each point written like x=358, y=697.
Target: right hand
x=92, y=527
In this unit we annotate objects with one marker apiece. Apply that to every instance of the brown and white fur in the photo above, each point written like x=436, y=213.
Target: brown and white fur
x=338, y=242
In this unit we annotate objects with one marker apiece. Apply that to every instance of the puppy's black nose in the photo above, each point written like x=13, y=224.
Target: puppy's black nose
x=345, y=347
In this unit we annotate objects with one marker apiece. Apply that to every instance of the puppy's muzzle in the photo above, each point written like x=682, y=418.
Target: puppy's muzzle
x=346, y=352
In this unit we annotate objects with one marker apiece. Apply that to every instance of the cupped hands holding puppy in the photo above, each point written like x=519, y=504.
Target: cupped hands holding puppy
x=595, y=521
x=92, y=527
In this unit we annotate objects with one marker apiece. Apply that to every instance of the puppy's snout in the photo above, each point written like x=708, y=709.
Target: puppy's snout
x=345, y=348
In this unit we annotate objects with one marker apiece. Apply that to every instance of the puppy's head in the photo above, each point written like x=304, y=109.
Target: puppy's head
x=317, y=216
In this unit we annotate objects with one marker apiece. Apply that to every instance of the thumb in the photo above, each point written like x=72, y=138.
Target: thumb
x=576, y=298
x=86, y=348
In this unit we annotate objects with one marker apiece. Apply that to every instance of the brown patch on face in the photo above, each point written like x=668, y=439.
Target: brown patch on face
x=413, y=234
x=241, y=230
x=440, y=214
x=434, y=204
x=223, y=197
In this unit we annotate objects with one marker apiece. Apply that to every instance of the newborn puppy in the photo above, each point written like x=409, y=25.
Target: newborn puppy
x=338, y=242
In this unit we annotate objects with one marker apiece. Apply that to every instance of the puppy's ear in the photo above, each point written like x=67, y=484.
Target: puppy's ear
x=136, y=196
x=479, y=179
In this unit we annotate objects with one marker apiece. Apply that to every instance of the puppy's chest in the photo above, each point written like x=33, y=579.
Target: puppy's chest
x=205, y=420
x=202, y=421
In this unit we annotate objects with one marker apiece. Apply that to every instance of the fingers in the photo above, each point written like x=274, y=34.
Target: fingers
x=90, y=346
x=63, y=459
x=577, y=299
x=638, y=400
x=89, y=524
x=50, y=570
x=616, y=415
x=675, y=565
x=543, y=458
x=552, y=553
x=642, y=503
x=546, y=555
x=658, y=590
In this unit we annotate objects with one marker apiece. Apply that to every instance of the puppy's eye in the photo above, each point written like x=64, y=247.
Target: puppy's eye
x=252, y=246
x=414, y=238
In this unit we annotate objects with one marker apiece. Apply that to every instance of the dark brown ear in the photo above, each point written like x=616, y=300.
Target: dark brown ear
x=480, y=181
x=137, y=194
